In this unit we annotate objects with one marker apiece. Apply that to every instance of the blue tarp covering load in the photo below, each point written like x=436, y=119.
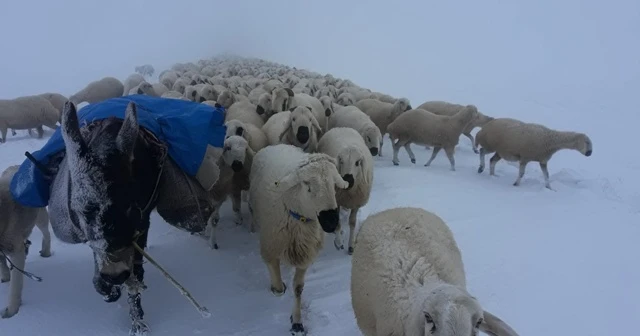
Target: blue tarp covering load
x=185, y=127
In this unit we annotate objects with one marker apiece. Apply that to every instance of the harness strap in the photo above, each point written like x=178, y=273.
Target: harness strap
x=299, y=217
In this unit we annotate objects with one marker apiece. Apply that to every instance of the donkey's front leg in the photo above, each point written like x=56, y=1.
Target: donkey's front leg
x=135, y=285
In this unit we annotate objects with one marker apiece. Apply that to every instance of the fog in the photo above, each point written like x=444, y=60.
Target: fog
x=543, y=57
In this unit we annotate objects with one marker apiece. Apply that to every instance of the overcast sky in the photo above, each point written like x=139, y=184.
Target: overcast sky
x=546, y=50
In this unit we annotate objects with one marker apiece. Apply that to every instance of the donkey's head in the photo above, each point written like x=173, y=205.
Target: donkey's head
x=111, y=180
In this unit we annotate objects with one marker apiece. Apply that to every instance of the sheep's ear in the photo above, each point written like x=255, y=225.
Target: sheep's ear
x=289, y=92
x=316, y=125
x=292, y=109
x=492, y=325
x=70, y=128
x=287, y=128
x=250, y=151
x=128, y=133
x=287, y=182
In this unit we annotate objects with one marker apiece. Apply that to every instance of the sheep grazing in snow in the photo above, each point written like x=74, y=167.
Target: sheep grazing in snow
x=26, y=113
x=383, y=113
x=297, y=127
x=146, y=70
x=425, y=128
x=445, y=108
x=293, y=200
x=284, y=99
x=254, y=135
x=235, y=166
x=132, y=81
x=353, y=117
x=355, y=165
x=16, y=224
x=97, y=91
x=245, y=112
x=518, y=141
x=408, y=278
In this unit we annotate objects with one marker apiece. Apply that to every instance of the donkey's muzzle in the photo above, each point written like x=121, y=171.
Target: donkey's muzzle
x=329, y=220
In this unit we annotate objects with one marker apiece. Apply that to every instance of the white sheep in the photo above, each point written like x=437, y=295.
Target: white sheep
x=205, y=92
x=518, y=141
x=235, y=166
x=168, y=78
x=353, y=117
x=144, y=88
x=56, y=99
x=383, y=113
x=425, y=128
x=355, y=165
x=254, y=135
x=16, y=224
x=97, y=91
x=292, y=199
x=26, y=113
x=446, y=108
x=408, y=278
x=346, y=99
x=297, y=127
x=173, y=95
x=146, y=70
x=181, y=84
x=160, y=89
x=132, y=81
x=245, y=112
x=284, y=99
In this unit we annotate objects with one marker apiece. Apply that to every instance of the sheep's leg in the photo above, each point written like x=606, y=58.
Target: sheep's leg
x=278, y=288
x=252, y=227
x=296, y=317
x=396, y=149
x=236, y=205
x=545, y=173
x=3, y=130
x=353, y=216
x=381, y=143
x=523, y=165
x=434, y=153
x=482, y=155
x=450, y=151
x=43, y=225
x=473, y=142
x=407, y=147
x=15, y=287
x=13, y=132
x=40, y=131
x=135, y=285
x=212, y=223
x=492, y=163
x=5, y=273
x=337, y=241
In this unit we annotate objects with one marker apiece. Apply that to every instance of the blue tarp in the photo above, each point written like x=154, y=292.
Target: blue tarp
x=185, y=127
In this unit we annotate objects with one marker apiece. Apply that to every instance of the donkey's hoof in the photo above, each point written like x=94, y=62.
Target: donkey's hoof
x=139, y=328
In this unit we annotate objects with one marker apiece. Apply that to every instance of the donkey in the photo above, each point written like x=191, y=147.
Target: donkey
x=102, y=194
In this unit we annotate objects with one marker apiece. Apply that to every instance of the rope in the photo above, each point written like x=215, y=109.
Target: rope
x=25, y=273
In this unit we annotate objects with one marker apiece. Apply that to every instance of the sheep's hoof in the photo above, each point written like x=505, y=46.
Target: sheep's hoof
x=476, y=151
x=276, y=292
x=45, y=254
x=338, y=244
x=395, y=163
x=139, y=328
x=427, y=164
x=350, y=250
x=515, y=184
x=297, y=329
x=480, y=169
x=7, y=313
x=214, y=246
x=413, y=161
x=3, y=280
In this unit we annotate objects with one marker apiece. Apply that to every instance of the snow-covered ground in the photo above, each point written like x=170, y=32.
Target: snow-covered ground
x=561, y=262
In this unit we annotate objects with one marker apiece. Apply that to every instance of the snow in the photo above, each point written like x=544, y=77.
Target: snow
x=561, y=262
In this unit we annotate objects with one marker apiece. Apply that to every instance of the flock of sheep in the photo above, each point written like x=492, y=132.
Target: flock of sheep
x=299, y=148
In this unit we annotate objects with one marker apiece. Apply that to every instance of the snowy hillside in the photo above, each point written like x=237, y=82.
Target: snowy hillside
x=526, y=250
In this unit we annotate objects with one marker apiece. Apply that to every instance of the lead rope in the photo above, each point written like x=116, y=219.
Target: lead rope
x=12, y=266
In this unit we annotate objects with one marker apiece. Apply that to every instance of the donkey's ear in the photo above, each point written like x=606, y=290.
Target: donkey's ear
x=128, y=134
x=70, y=128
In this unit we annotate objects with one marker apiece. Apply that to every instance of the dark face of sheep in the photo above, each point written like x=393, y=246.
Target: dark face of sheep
x=350, y=165
x=112, y=177
x=235, y=152
x=302, y=122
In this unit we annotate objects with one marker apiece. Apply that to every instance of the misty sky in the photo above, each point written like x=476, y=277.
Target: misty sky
x=555, y=52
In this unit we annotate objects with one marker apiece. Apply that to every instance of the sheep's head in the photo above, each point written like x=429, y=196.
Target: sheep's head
x=327, y=104
x=281, y=99
x=310, y=190
x=481, y=119
x=448, y=310
x=264, y=105
x=237, y=127
x=302, y=126
x=372, y=138
x=346, y=99
x=190, y=92
x=179, y=86
x=146, y=89
x=226, y=99
x=351, y=164
x=235, y=151
x=582, y=143
x=207, y=92
x=402, y=105
x=466, y=115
